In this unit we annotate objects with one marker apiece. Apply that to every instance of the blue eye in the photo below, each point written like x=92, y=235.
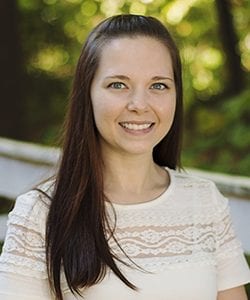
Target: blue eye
x=117, y=85
x=159, y=86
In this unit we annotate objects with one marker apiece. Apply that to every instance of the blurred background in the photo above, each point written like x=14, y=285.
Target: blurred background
x=40, y=41
x=40, y=45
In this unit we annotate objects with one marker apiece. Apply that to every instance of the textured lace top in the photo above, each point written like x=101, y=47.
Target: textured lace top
x=183, y=242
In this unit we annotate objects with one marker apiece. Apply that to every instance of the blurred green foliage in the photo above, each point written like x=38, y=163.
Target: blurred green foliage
x=221, y=141
x=6, y=205
x=216, y=135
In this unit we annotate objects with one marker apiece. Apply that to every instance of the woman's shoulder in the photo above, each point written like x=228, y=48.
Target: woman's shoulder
x=187, y=180
x=24, y=247
x=34, y=203
x=203, y=191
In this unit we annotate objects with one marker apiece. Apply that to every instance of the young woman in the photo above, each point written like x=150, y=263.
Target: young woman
x=119, y=221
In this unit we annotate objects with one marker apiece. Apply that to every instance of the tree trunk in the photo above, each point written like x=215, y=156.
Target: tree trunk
x=11, y=110
x=229, y=40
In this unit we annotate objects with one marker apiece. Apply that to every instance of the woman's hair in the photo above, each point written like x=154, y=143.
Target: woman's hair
x=77, y=224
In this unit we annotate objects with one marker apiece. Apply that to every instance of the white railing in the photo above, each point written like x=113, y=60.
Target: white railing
x=22, y=165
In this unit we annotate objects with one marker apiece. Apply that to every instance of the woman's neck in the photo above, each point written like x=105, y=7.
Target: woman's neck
x=133, y=179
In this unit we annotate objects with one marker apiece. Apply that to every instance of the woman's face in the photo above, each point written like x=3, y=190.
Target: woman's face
x=133, y=95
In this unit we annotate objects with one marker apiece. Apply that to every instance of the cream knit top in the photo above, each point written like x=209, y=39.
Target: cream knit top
x=183, y=241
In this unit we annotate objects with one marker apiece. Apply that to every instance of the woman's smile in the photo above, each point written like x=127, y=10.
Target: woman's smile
x=137, y=127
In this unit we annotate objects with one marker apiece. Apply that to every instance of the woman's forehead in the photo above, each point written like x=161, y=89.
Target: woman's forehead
x=138, y=53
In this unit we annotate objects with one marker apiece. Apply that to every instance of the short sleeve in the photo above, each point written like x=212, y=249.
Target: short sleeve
x=232, y=268
x=23, y=262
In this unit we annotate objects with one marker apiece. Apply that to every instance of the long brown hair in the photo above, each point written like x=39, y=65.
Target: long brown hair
x=77, y=222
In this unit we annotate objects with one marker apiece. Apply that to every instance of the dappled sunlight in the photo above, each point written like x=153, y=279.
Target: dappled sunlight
x=246, y=42
x=50, y=59
x=202, y=80
x=188, y=53
x=81, y=20
x=110, y=7
x=73, y=1
x=138, y=8
x=184, y=28
x=245, y=48
x=147, y=1
x=72, y=29
x=202, y=61
x=89, y=8
x=176, y=10
x=245, y=60
x=211, y=58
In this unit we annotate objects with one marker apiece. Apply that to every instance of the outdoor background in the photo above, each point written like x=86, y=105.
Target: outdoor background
x=40, y=41
x=40, y=45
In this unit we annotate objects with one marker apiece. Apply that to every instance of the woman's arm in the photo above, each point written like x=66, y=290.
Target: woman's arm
x=232, y=268
x=23, y=261
x=14, y=286
x=237, y=293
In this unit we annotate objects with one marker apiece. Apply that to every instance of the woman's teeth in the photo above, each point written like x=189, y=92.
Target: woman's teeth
x=133, y=126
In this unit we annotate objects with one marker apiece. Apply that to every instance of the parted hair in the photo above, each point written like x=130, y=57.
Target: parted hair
x=77, y=223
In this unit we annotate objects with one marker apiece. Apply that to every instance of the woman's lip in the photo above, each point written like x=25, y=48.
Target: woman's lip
x=136, y=122
x=138, y=127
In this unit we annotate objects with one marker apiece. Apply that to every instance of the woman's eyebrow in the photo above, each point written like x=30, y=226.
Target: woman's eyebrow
x=122, y=77
x=162, y=78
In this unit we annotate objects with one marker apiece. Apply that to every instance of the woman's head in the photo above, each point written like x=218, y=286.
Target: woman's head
x=167, y=152
x=133, y=96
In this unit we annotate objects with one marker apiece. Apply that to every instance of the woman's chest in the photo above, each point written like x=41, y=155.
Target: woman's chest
x=194, y=283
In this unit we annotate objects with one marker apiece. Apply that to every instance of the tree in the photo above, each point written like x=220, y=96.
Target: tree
x=230, y=44
x=11, y=72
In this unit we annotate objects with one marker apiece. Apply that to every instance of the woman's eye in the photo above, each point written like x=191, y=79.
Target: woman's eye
x=117, y=85
x=159, y=86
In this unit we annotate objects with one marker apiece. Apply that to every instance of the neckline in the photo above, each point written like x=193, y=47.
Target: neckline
x=152, y=202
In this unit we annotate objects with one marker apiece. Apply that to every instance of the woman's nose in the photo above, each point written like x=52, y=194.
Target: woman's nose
x=138, y=101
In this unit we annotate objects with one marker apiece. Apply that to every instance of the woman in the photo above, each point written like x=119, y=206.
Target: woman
x=119, y=222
